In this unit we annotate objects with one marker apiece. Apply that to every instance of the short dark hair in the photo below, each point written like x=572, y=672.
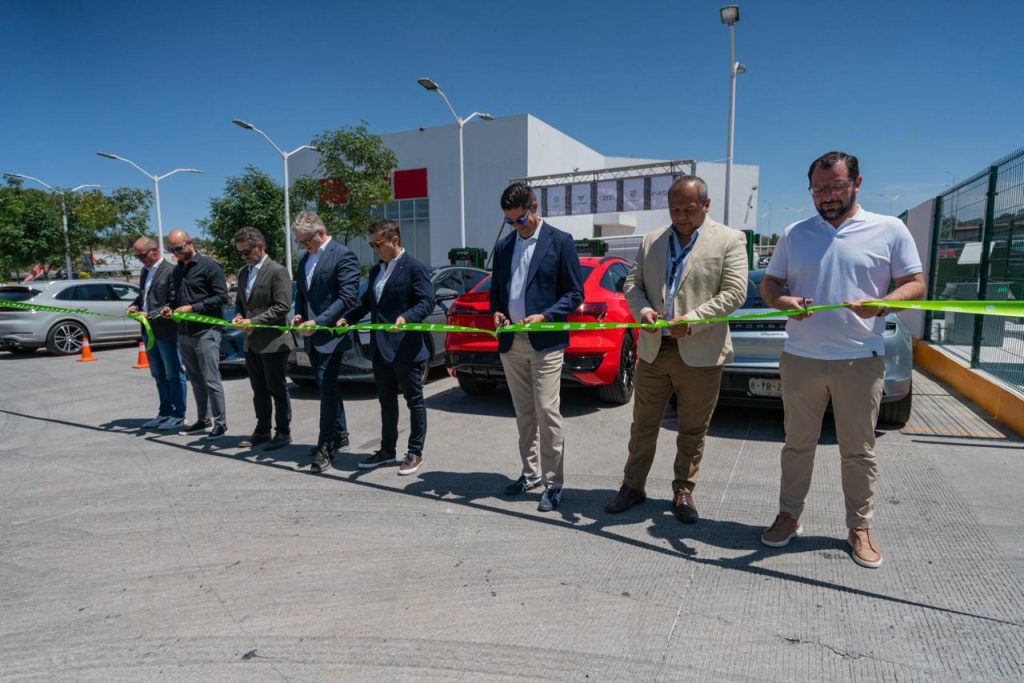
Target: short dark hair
x=518, y=196
x=702, y=187
x=389, y=229
x=830, y=159
x=251, y=237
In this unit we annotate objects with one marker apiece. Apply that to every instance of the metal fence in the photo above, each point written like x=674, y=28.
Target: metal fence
x=978, y=253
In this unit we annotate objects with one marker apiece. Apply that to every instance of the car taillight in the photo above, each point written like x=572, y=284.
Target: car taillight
x=596, y=310
x=461, y=309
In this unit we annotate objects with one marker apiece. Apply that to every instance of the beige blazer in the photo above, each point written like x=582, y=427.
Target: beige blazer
x=713, y=284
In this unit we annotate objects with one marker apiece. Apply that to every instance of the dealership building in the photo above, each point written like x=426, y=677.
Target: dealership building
x=580, y=190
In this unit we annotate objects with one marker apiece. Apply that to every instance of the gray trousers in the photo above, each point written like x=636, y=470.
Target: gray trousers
x=201, y=355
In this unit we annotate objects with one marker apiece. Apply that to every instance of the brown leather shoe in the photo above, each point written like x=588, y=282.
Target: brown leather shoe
x=624, y=499
x=864, y=551
x=684, y=507
x=785, y=528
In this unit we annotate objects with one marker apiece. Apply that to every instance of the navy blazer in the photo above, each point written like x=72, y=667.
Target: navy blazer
x=554, y=284
x=333, y=290
x=407, y=293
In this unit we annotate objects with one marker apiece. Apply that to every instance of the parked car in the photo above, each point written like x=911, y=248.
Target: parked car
x=605, y=359
x=63, y=333
x=232, y=339
x=357, y=363
x=752, y=378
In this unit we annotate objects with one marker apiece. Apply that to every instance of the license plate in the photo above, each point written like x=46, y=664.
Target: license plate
x=762, y=386
x=302, y=359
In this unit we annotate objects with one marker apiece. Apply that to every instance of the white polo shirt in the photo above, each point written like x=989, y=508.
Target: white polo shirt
x=830, y=265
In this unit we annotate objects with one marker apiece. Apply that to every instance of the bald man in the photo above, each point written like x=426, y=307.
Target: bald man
x=198, y=286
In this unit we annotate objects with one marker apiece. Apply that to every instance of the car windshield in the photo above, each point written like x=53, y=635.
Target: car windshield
x=17, y=293
x=485, y=286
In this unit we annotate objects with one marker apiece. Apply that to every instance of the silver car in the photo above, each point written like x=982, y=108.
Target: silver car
x=62, y=333
x=752, y=377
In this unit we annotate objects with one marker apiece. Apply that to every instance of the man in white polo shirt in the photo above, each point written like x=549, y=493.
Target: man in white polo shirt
x=843, y=255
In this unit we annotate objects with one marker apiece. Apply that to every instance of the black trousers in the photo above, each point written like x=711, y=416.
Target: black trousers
x=268, y=378
x=406, y=378
x=333, y=423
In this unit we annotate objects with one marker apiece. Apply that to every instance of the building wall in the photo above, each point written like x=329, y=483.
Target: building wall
x=919, y=221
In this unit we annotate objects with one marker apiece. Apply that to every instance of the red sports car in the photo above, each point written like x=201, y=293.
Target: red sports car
x=605, y=359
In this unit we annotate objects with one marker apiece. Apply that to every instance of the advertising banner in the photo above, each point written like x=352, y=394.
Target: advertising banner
x=633, y=194
x=659, y=191
x=556, y=200
x=581, y=193
x=607, y=196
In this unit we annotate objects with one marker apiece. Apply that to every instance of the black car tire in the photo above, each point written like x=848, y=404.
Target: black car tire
x=23, y=350
x=472, y=386
x=620, y=392
x=896, y=413
x=65, y=338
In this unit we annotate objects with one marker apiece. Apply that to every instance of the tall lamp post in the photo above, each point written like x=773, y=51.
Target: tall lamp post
x=287, y=206
x=63, y=215
x=460, y=122
x=156, y=188
x=730, y=15
x=892, y=199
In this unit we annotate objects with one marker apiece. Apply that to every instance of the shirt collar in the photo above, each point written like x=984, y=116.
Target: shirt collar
x=536, y=233
x=859, y=216
x=693, y=235
x=260, y=264
x=390, y=264
x=324, y=245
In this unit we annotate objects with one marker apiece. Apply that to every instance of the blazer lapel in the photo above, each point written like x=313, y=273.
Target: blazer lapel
x=699, y=247
x=398, y=271
x=541, y=248
x=656, y=263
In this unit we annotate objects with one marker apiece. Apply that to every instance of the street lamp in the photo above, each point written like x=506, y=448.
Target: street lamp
x=892, y=198
x=63, y=215
x=434, y=87
x=287, y=205
x=730, y=15
x=156, y=187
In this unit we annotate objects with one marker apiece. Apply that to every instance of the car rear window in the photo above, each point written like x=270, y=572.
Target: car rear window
x=17, y=293
x=485, y=286
x=754, y=299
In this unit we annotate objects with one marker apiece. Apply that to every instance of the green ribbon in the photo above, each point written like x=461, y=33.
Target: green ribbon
x=4, y=303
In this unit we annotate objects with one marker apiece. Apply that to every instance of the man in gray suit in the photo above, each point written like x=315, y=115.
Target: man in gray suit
x=264, y=297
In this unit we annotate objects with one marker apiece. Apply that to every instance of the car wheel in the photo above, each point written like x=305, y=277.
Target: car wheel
x=65, y=338
x=620, y=391
x=472, y=385
x=22, y=350
x=896, y=413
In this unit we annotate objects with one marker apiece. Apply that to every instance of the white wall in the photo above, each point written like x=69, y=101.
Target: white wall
x=919, y=221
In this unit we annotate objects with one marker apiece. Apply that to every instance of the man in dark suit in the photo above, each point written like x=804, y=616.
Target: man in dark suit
x=263, y=298
x=327, y=286
x=536, y=279
x=399, y=291
x=164, y=358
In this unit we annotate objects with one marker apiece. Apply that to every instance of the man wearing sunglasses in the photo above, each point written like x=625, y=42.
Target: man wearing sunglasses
x=398, y=291
x=536, y=278
x=164, y=358
x=843, y=255
x=198, y=286
x=263, y=298
x=327, y=283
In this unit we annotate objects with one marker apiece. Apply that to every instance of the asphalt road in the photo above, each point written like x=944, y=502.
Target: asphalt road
x=133, y=555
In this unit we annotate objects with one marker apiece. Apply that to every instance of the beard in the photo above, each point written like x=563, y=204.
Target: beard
x=835, y=212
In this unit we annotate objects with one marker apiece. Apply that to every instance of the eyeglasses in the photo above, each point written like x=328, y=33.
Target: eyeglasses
x=518, y=221
x=837, y=187
x=142, y=254
x=246, y=252
x=306, y=240
x=375, y=244
x=180, y=248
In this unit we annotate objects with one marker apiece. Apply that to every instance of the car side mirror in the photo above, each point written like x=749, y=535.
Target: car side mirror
x=445, y=294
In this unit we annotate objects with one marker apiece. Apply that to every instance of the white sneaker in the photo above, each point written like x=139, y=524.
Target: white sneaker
x=155, y=422
x=171, y=424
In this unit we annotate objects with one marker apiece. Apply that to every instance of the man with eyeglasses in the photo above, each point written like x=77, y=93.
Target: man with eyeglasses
x=164, y=358
x=398, y=291
x=843, y=255
x=264, y=297
x=198, y=286
x=536, y=279
x=327, y=284
x=693, y=269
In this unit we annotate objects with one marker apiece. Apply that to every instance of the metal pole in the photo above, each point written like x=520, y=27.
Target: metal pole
x=983, y=267
x=462, y=190
x=287, y=219
x=732, y=121
x=67, y=244
x=159, y=218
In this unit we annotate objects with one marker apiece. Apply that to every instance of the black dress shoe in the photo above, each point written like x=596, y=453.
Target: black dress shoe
x=197, y=426
x=217, y=431
x=254, y=440
x=523, y=483
x=550, y=499
x=279, y=441
x=626, y=498
x=684, y=508
x=322, y=459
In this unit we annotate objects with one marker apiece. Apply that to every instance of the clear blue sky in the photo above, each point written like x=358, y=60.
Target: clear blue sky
x=921, y=91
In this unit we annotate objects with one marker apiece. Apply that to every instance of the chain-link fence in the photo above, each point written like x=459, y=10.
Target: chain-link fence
x=978, y=253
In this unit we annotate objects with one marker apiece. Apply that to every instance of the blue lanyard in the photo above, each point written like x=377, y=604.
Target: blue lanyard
x=675, y=264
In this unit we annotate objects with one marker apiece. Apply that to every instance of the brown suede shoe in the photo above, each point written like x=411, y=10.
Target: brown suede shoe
x=624, y=499
x=684, y=508
x=864, y=551
x=784, y=529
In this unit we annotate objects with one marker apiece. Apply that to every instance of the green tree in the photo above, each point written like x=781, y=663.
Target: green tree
x=357, y=166
x=31, y=231
x=252, y=199
x=114, y=222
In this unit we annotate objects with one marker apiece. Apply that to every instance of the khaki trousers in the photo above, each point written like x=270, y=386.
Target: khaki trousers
x=534, y=379
x=855, y=387
x=696, y=390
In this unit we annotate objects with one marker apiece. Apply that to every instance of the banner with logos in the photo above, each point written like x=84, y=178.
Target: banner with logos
x=581, y=193
x=607, y=196
x=633, y=194
x=556, y=200
x=659, y=191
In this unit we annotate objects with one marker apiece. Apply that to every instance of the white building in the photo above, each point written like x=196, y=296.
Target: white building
x=426, y=186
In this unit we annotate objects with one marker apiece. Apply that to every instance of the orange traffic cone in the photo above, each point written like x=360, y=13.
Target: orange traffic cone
x=143, y=362
x=86, y=352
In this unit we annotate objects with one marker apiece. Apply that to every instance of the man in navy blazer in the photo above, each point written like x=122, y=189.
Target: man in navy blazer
x=327, y=284
x=536, y=278
x=399, y=291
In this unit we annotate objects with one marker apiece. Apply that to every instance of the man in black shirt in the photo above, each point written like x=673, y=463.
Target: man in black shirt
x=198, y=286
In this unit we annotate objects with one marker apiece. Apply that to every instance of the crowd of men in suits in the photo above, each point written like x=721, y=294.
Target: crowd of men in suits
x=690, y=270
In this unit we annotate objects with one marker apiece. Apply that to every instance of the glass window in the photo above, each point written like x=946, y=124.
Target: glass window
x=422, y=209
x=92, y=292
x=451, y=280
x=125, y=292
x=405, y=209
x=391, y=211
x=472, y=277
x=17, y=293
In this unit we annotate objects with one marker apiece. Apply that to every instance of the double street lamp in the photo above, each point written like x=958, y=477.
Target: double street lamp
x=730, y=14
x=287, y=214
x=156, y=187
x=63, y=215
x=460, y=122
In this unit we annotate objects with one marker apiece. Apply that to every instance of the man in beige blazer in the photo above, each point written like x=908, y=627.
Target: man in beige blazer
x=692, y=269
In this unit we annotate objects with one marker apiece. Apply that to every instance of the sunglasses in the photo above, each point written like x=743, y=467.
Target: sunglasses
x=246, y=252
x=180, y=248
x=374, y=244
x=517, y=221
